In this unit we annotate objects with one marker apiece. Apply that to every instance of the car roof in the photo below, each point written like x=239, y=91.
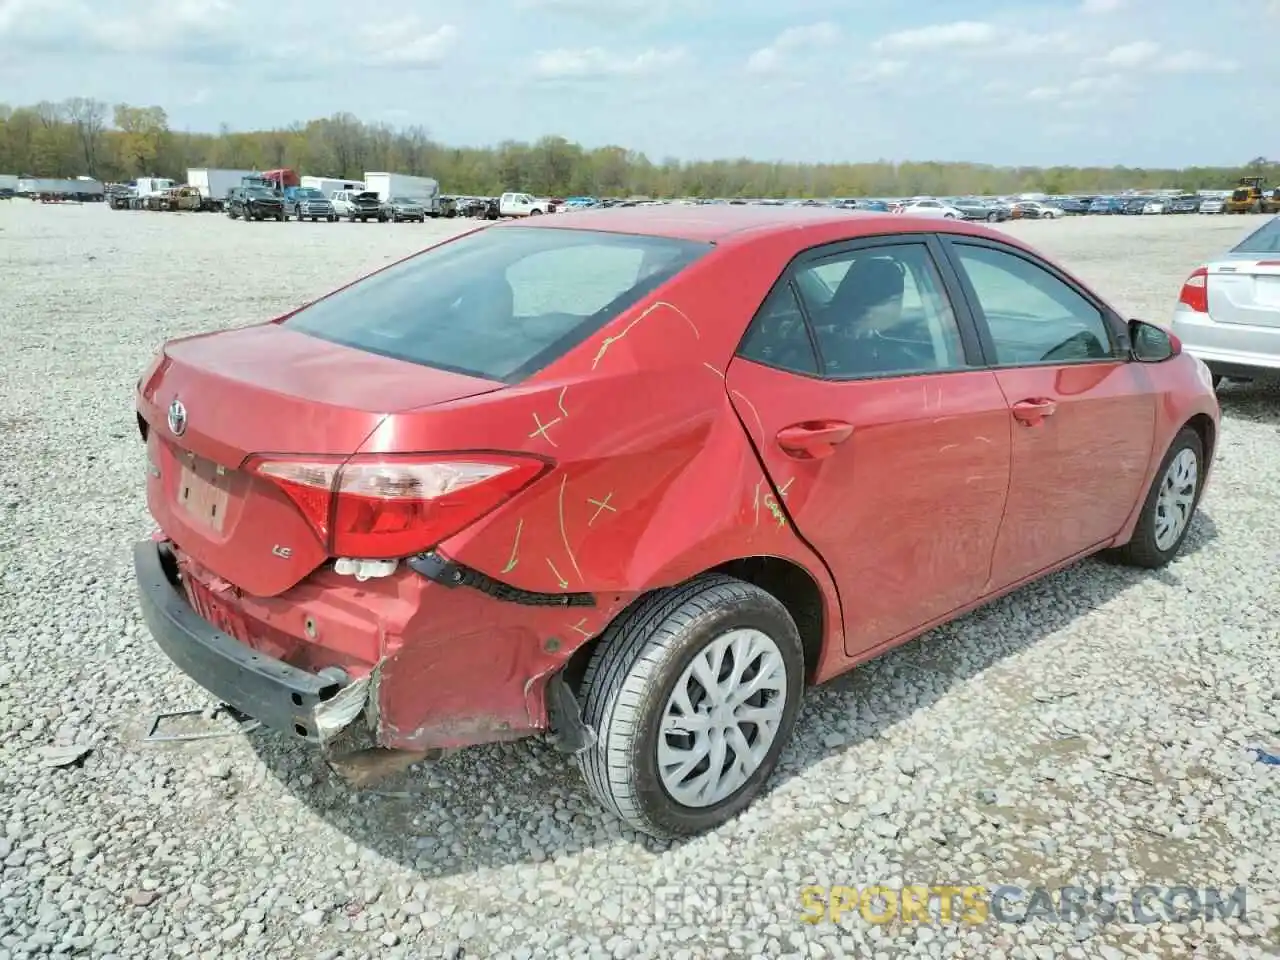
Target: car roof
x=715, y=224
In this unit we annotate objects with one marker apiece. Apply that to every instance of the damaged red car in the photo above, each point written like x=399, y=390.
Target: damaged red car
x=633, y=479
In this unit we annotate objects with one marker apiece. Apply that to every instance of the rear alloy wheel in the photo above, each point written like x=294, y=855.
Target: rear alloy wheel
x=693, y=694
x=1170, y=505
x=993, y=217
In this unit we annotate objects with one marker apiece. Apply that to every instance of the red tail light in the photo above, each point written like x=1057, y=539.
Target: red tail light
x=1195, y=292
x=382, y=507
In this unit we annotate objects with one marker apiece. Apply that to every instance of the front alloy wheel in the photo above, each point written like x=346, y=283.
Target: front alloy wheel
x=1170, y=504
x=693, y=694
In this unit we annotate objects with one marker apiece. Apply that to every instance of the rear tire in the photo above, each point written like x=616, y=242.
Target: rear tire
x=629, y=691
x=1170, y=506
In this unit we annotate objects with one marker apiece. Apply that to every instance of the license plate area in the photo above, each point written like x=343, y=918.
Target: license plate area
x=203, y=495
x=215, y=612
x=1267, y=291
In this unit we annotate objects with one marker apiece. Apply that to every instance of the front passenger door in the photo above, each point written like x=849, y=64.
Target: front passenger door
x=1083, y=415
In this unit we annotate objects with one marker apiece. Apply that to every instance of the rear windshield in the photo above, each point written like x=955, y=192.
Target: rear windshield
x=1266, y=239
x=499, y=303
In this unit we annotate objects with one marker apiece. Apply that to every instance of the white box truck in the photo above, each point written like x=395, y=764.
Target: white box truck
x=328, y=186
x=423, y=189
x=214, y=184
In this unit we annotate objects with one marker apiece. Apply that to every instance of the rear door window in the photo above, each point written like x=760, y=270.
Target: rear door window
x=499, y=303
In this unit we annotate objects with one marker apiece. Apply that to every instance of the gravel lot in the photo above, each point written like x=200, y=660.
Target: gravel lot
x=1090, y=729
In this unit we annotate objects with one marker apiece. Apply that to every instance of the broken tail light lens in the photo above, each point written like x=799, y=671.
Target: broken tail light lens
x=384, y=507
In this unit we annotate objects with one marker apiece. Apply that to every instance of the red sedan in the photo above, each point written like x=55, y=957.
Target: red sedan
x=633, y=478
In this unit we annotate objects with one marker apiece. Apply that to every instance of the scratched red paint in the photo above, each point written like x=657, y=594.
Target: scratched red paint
x=656, y=435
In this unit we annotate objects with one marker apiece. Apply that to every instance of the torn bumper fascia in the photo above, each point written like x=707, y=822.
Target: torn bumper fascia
x=352, y=749
x=335, y=715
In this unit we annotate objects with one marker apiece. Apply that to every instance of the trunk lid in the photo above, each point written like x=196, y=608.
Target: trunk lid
x=264, y=390
x=1245, y=291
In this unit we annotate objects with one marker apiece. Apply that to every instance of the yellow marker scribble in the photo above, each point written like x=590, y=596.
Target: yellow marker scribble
x=542, y=429
x=774, y=508
x=564, y=534
x=782, y=491
x=563, y=582
x=756, y=501
x=610, y=341
x=713, y=369
x=515, y=549
x=601, y=506
x=581, y=628
x=754, y=412
x=560, y=401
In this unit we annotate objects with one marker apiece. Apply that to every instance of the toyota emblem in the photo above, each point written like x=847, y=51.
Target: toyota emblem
x=177, y=418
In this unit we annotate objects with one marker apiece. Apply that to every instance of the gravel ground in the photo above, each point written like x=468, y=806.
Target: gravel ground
x=1090, y=729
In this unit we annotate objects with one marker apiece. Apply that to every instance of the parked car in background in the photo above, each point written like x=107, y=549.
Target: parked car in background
x=708, y=439
x=1106, y=206
x=402, y=209
x=254, y=203
x=1154, y=205
x=1187, y=203
x=308, y=203
x=976, y=209
x=362, y=205
x=1213, y=205
x=1136, y=206
x=930, y=208
x=1228, y=313
x=1073, y=206
x=1036, y=210
x=522, y=205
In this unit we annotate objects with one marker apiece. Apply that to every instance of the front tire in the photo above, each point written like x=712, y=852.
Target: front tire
x=1170, y=505
x=662, y=732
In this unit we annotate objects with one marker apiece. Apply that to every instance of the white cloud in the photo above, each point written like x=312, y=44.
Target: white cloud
x=597, y=62
x=1194, y=61
x=1101, y=6
x=962, y=33
x=407, y=44
x=878, y=70
x=609, y=13
x=972, y=37
x=791, y=40
x=1077, y=90
x=1129, y=55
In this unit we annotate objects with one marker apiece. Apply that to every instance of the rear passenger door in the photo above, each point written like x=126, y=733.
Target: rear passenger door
x=1083, y=414
x=889, y=455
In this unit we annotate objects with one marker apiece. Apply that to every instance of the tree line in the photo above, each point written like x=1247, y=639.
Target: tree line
x=84, y=136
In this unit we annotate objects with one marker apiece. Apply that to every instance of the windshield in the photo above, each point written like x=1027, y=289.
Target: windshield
x=403, y=200
x=1266, y=239
x=309, y=193
x=498, y=303
x=257, y=192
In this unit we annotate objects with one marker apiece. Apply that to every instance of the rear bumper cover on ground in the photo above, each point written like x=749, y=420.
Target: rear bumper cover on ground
x=279, y=696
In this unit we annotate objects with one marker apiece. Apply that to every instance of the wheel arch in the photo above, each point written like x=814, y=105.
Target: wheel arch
x=1207, y=430
x=789, y=582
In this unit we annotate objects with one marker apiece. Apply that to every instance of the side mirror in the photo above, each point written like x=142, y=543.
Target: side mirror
x=1151, y=343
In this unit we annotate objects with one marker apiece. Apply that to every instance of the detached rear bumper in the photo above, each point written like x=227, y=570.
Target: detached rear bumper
x=277, y=695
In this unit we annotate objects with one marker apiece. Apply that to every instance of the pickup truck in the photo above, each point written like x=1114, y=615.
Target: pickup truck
x=359, y=205
x=307, y=203
x=522, y=205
